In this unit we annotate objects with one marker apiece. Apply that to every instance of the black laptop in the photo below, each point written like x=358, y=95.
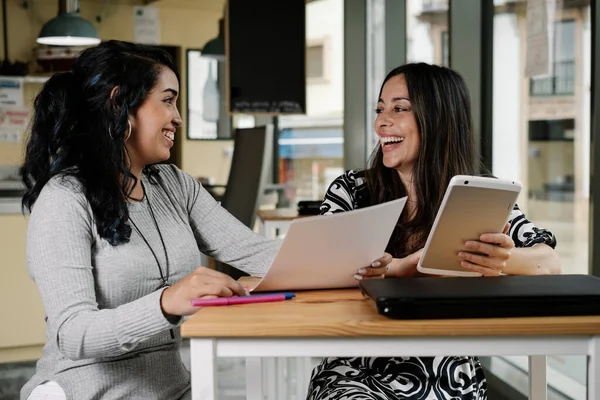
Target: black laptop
x=504, y=296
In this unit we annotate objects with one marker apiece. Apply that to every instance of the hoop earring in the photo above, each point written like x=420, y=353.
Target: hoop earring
x=128, y=131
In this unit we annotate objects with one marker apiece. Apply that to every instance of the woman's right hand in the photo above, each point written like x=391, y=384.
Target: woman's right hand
x=404, y=267
x=176, y=300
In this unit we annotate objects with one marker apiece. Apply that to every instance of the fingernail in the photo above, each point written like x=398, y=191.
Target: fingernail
x=362, y=271
x=470, y=244
x=246, y=292
x=375, y=264
x=358, y=277
x=462, y=255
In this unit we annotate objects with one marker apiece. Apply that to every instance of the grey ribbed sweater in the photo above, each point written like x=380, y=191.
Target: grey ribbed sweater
x=106, y=335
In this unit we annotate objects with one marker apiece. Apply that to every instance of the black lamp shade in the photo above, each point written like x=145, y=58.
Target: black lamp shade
x=215, y=47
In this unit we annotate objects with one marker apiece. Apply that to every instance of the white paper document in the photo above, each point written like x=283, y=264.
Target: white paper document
x=324, y=252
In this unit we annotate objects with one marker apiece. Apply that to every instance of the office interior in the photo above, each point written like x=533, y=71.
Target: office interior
x=535, y=129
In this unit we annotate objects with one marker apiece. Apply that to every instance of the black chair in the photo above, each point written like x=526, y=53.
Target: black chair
x=248, y=177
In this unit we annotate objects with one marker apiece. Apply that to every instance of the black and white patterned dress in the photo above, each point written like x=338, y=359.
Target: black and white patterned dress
x=414, y=378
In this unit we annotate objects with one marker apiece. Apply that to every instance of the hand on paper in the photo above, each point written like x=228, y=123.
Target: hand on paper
x=377, y=269
x=495, y=249
x=202, y=283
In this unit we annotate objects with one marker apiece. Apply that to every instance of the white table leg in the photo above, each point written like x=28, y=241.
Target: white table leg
x=593, y=386
x=261, y=227
x=254, y=378
x=204, y=367
x=537, y=378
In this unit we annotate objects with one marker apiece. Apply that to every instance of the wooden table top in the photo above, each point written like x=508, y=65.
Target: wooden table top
x=279, y=214
x=345, y=312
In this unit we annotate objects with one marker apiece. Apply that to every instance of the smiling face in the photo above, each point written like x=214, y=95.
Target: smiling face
x=396, y=126
x=153, y=126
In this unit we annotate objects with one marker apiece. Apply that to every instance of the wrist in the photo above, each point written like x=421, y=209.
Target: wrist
x=164, y=305
x=402, y=268
x=394, y=269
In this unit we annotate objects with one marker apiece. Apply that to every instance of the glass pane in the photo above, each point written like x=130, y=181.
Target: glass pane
x=541, y=136
x=203, y=97
x=564, y=39
x=314, y=61
x=427, y=31
x=562, y=66
x=311, y=145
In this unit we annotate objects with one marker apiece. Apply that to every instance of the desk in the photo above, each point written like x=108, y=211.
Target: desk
x=271, y=220
x=329, y=323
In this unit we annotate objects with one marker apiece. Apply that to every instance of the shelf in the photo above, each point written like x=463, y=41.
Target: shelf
x=28, y=78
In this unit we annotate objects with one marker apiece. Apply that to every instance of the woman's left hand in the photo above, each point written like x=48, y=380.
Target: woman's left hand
x=495, y=249
x=377, y=269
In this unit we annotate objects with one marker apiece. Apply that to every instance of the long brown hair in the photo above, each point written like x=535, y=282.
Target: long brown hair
x=442, y=109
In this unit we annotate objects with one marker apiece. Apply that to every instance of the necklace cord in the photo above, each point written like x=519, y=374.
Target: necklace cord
x=163, y=277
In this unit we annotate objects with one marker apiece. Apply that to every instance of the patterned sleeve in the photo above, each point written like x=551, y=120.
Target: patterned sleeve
x=340, y=195
x=525, y=234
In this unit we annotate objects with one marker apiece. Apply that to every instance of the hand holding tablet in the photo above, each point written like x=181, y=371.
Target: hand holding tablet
x=489, y=254
x=472, y=206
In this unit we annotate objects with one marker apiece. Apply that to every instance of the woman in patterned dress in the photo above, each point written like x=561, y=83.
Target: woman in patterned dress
x=424, y=128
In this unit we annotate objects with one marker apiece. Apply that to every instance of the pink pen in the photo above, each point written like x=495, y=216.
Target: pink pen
x=259, y=298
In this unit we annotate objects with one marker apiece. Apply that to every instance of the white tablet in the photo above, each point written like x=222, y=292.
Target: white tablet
x=472, y=206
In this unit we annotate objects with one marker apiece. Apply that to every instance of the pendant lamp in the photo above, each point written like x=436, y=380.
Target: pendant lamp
x=68, y=28
x=215, y=48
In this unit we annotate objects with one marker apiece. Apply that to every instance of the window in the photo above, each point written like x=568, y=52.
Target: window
x=311, y=146
x=427, y=31
x=435, y=5
x=544, y=142
x=315, y=68
x=310, y=157
x=562, y=79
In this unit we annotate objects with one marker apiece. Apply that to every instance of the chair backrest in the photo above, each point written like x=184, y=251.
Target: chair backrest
x=248, y=176
x=249, y=173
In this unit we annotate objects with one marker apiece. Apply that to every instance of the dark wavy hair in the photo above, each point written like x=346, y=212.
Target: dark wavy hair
x=79, y=126
x=441, y=105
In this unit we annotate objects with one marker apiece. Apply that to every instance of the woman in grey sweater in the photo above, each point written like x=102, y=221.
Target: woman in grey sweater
x=114, y=241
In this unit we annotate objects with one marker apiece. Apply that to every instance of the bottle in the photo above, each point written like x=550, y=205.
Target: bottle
x=210, y=96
